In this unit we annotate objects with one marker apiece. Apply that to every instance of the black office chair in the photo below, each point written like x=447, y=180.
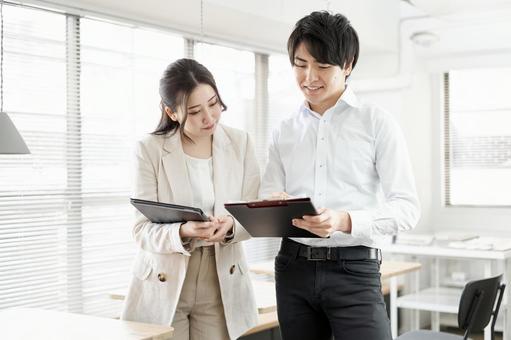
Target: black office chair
x=474, y=313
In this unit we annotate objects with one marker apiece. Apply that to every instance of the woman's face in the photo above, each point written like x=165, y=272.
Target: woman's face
x=204, y=111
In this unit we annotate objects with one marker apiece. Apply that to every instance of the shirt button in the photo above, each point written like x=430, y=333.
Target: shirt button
x=161, y=277
x=233, y=268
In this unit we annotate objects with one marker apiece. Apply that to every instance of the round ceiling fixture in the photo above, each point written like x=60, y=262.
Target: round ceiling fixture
x=424, y=38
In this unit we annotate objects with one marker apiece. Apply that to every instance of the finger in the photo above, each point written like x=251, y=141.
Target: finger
x=214, y=219
x=204, y=225
x=300, y=223
x=324, y=231
x=223, y=219
x=317, y=218
x=308, y=225
x=208, y=233
x=279, y=195
x=219, y=234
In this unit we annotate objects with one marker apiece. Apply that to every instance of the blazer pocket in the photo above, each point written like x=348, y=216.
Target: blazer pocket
x=142, y=268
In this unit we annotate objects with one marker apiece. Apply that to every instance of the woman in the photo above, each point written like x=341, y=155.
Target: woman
x=193, y=275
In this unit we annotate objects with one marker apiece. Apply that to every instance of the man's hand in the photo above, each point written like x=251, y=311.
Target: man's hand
x=224, y=224
x=325, y=223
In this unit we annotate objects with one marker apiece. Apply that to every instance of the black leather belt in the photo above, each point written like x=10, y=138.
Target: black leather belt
x=331, y=253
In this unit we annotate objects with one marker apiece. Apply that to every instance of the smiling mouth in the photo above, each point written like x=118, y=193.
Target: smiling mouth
x=312, y=88
x=209, y=127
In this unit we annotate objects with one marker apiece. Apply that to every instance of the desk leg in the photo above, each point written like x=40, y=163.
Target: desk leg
x=435, y=275
x=506, y=300
x=416, y=313
x=487, y=273
x=393, y=306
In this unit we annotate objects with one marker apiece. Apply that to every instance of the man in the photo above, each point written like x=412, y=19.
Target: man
x=351, y=159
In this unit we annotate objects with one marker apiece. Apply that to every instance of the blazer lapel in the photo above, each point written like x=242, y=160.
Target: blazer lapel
x=223, y=157
x=174, y=164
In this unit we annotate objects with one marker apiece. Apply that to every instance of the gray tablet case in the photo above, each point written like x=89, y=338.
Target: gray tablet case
x=273, y=218
x=158, y=212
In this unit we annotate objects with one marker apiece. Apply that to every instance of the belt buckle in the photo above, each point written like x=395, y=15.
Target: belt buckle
x=314, y=254
x=378, y=255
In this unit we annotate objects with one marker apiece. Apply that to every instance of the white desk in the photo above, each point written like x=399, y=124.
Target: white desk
x=437, y=299
x=263, y=291
x=40, y=324
x=265, y=299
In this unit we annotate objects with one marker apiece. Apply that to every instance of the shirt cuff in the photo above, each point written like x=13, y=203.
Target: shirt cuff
x=230, y=234
x=180, y=246
x=361, y=224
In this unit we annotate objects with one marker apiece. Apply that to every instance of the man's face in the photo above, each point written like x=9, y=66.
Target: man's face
x=321, y=84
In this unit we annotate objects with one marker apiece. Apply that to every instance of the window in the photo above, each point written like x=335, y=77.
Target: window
x=81, y=92
x=35, y=190
x=477, y=137
x=234, y=75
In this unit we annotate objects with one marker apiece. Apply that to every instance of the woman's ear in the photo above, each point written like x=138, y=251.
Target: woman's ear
x=172, y=115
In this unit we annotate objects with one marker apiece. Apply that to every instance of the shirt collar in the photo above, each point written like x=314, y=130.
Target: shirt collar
x=348, y=97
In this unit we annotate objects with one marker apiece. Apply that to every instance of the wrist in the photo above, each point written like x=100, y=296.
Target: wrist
x=348, y=223
x=229, y=235
x=181, y=231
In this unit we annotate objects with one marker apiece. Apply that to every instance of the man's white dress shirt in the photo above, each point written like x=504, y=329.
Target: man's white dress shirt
x=352, y=158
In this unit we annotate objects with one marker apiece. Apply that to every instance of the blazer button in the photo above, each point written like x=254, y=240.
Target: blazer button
x=233, y=268
x=161, y=277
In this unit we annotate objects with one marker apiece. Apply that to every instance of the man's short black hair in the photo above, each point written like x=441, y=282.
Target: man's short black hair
x=329, y=38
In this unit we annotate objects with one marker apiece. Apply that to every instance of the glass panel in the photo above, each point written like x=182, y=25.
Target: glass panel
x=480, y=133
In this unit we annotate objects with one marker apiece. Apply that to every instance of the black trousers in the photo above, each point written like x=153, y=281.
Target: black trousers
x=319, y=300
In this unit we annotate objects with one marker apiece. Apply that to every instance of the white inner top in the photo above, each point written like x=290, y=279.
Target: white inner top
x=200, y=172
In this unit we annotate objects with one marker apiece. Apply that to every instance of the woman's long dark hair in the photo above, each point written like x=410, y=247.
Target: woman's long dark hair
x=176, y=84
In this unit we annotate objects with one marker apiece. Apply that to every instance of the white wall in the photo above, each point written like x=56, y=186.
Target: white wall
x=411, y=106
x=413, y=95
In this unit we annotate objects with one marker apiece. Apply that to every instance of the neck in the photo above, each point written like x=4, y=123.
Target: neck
x=326, y=104
x=200, y=147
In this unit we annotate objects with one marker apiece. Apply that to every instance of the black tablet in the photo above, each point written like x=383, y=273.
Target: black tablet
x=158, y=212
x=273, y=218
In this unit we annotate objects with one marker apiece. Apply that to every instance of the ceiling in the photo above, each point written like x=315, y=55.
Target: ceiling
x=263, y=24
x=384, y=26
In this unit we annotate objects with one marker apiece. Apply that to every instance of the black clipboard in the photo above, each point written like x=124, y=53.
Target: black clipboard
x=273, y=218
x=158, y=212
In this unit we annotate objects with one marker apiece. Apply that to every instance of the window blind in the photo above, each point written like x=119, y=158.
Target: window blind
x=477, y=137
x=81, y=91
x=36, y=194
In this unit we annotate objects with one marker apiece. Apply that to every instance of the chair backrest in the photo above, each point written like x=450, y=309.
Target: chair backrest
x=477, y=302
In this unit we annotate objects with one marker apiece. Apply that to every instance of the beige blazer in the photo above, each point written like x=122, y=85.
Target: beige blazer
x=160, y=266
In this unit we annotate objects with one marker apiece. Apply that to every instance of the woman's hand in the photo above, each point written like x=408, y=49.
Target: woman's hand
x=195, y=229
x=224, y=225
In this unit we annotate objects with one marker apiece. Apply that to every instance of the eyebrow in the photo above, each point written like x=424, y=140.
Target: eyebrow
x=194, y=106
x=300, y=59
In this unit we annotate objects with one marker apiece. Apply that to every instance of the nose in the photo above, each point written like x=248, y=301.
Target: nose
x=208, y=116
x=310, y=74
